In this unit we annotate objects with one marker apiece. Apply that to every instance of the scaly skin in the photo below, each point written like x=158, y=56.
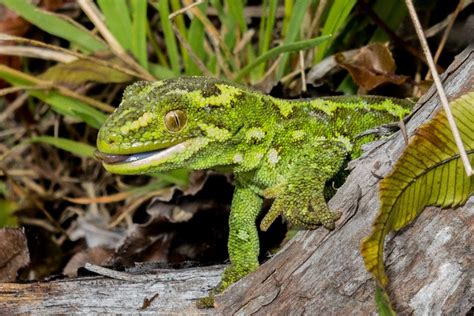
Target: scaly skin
x=279, y=149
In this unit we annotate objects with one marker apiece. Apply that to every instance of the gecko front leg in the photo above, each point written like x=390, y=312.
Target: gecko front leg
x=243, y=243
x=300, y=198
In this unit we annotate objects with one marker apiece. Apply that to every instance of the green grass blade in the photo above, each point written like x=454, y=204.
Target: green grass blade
x=64, y=105
x=336, y=19
x=263, y=22
x=267, y=27
x=162, y=60
x=196, y=39
x=232, y=29
x=160, y=72
x=170, y=41
x=139, y=22
x=179, y=177
x=300, y=8
x=392, y=13
x=288, y=6
x=76, y=148
x=117, y=18
x=56, y=25
x=236, y=9
x=7, y=209
x=226, y=40
x=229, y=37
x=292, y=47
x=71, y=107
x=181, y=26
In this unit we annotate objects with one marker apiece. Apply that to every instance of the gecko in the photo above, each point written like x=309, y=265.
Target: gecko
x=277, y=149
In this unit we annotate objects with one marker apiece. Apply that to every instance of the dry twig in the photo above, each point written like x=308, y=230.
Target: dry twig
x=439, y=87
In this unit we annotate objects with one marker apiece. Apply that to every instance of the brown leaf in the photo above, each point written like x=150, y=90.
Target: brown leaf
x=197, y=180
x=372, y=66
x=52, y=5
x=93, y=228
x=14, y=253
x=97, y=255
x=196, y=183
x=11, y=23
x=158, y=231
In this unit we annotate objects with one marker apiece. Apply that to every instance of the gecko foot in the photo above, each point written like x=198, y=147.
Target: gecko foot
x=311, y=220
x=231, y=275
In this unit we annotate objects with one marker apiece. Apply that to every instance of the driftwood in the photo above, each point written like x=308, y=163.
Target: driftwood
x=318, y=272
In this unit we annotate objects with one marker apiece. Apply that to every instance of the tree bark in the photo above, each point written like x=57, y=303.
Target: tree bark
x=318, y=272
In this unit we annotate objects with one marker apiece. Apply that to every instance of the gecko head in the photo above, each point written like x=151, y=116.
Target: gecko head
x=170, y=124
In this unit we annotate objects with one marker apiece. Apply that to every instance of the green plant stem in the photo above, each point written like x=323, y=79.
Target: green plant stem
x=292, y=47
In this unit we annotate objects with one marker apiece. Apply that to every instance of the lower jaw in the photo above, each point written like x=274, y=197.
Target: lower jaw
x=141, y=163
x=123, y=169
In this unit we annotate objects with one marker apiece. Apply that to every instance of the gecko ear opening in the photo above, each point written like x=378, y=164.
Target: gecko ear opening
x=175, y=120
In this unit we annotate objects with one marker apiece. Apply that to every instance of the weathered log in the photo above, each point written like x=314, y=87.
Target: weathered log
x=318, y=272
x=429, y=263
x=143, y=290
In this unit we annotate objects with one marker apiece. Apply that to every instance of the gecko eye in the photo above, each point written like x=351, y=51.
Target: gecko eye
x=175, y=120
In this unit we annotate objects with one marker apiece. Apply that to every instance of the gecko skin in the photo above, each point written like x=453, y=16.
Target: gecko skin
x=280, y=149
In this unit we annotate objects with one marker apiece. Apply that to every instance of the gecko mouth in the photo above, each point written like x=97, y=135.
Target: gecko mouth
x=142, y=158
x=142, y=161
x=111, y=159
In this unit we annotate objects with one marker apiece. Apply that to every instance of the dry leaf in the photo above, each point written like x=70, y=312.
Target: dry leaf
x=97, y=255
x=11, y=23
x=80, y=71
x=372, y=66
x=94, y=229
x=14, y=253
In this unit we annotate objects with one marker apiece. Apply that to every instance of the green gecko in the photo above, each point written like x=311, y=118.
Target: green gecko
x=280, y=149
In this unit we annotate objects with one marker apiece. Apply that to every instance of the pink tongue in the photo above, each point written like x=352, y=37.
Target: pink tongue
x=108, y=158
